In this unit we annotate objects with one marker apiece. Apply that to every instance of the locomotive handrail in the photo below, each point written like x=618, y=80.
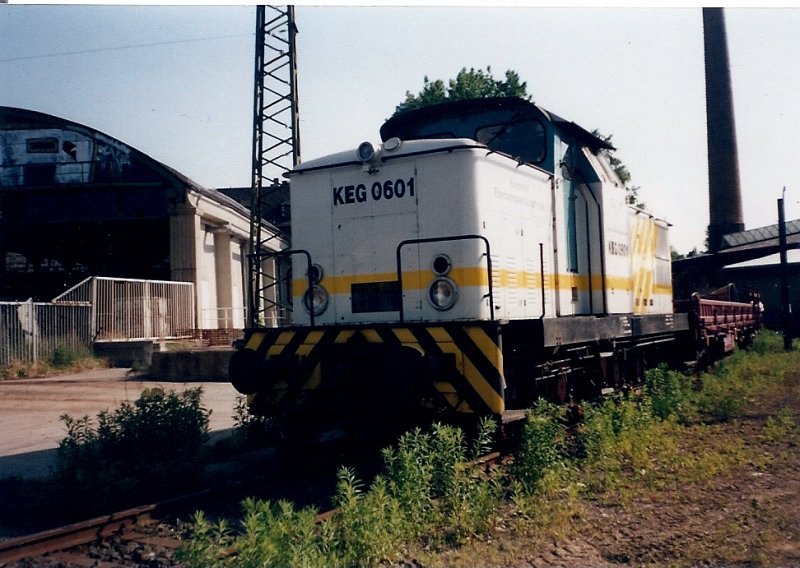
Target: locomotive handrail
x=442, y=240
x=281, y=253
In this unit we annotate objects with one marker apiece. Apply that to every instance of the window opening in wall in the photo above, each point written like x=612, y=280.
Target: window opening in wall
x=42, y=145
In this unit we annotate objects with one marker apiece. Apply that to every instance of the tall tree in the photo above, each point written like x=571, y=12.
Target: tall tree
x=472, y=84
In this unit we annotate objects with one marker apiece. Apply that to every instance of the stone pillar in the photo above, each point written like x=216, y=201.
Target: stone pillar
x=185, y=238
x=222, y=264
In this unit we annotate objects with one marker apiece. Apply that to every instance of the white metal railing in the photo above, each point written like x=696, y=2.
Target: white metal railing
x=223, y=318
x=125, y=309
x=99, y=309
x=30, y=331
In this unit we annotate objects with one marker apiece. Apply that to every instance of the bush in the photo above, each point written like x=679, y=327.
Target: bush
x=427, y=491
x=669, y=394
x=616, y=438
x=542, y=447
x=766, y=341
x=64, y=357
x=149, y=448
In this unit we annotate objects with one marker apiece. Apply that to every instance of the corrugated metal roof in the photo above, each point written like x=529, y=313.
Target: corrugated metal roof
x=759, y=235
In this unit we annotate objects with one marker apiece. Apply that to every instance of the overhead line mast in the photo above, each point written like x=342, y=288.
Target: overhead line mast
x=276, y=150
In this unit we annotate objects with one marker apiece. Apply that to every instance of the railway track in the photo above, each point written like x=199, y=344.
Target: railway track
x=133, y=537
x=63, y=544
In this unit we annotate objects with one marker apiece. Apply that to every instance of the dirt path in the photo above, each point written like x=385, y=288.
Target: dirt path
x=745, y=514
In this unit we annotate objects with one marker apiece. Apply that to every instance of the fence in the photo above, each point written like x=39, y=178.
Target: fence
x=98, y=309
x=30, y=331
x=131, y=310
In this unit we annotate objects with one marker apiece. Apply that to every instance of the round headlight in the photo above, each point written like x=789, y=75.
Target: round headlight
x=315, y=273
x=315, y=300
x=392, y=144
x=365, y=152
x=443, y=294
x=441, y=264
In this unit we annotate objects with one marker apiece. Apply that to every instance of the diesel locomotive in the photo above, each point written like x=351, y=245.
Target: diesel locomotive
x=481, y=256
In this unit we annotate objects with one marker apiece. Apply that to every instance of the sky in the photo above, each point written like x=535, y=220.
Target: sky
x=176, y=82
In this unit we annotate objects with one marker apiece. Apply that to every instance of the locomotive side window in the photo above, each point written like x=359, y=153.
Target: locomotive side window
x=522, y=139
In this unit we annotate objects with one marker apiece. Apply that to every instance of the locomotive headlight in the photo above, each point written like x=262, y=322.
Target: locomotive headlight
x=443, y=294
x=315, y=300
x=315, y=273
x=441, y=265
x=366, y=151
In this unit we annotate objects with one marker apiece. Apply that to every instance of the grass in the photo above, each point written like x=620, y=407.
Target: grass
x=666, y=445
x=61, y=361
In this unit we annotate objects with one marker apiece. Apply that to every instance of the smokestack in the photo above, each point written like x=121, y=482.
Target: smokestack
x=724, y=191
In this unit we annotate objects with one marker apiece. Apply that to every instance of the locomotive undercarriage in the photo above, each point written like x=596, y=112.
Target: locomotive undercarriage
x=377, y=381
x=583, y=358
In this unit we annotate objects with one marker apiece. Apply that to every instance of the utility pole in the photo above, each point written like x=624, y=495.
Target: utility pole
x=786, y=306
x=276, y=149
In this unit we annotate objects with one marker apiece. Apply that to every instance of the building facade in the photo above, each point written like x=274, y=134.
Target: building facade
x=75, y=203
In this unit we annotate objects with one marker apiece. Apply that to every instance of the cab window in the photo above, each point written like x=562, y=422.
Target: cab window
x=521, y=139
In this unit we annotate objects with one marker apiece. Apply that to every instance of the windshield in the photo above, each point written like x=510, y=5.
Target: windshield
x=511, y=132
x=522, y=139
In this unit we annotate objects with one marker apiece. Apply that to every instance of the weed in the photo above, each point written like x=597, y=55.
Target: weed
x=542, y=448
x=248, y=429
x=669, y=393
x=61, y=360
x=64, y=357
x=208, y=543
x=779, y=428
x=152, y=445
x=369, y=528
x=427, y=500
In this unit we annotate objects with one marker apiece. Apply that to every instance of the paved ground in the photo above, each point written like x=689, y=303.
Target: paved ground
x=30, y=427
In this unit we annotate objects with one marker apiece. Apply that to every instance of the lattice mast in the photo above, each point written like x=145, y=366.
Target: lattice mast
x=276, y=149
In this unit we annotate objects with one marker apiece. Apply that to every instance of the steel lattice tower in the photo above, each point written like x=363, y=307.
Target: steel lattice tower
x=276, y=146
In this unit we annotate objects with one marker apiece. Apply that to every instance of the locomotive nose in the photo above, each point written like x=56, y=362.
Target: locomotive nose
x=250, y=372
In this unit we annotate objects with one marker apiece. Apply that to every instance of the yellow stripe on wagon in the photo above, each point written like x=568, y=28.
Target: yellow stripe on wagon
x=310, y=342
x=491, y=397
x=255, y=340
x=406, y=337
x=372, y=336
x=280, y=343
x=487, y=346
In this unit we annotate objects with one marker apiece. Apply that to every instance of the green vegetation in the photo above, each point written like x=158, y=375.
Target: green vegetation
x=139, y=452
x=61, y=360
x=432, y=505
x=470, y=84
x=428, y=493
x=150, y=447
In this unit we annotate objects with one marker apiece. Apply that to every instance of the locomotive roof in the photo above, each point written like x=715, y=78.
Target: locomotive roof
x=409, y=147
x=404, y=124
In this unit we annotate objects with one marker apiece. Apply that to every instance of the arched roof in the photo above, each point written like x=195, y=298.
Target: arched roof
x=147, y=167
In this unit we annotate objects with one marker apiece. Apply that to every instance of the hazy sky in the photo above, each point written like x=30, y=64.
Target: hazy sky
x=177, y=83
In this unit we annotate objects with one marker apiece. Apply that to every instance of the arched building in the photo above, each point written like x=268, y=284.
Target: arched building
x=75, y=202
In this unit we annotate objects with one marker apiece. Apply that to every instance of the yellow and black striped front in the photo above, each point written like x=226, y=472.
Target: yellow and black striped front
x=461, y=363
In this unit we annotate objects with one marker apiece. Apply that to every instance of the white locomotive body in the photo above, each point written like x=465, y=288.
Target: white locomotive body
x=561, y=243
x=486, y=247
